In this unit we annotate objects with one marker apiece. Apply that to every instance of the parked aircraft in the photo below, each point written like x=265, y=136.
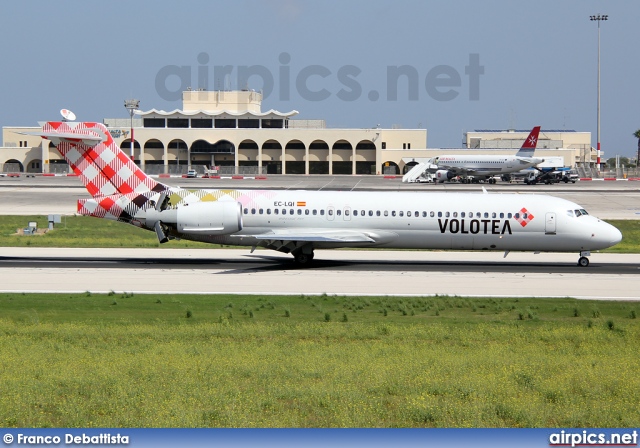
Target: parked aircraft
x=298, y=222
x=484, y=167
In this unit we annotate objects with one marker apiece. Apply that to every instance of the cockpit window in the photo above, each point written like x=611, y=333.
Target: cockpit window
x=581, y=212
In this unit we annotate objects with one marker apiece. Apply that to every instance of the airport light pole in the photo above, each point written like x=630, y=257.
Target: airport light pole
x=132, y=105
x=598, y=18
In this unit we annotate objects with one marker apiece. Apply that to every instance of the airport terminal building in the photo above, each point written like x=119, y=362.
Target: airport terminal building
x=228, y=131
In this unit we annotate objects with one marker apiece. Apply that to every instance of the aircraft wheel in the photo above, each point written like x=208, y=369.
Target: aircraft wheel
x=303, y=259
x=583, y=261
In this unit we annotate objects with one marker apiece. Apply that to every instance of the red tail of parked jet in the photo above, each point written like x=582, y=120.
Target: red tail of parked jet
x=529, y=146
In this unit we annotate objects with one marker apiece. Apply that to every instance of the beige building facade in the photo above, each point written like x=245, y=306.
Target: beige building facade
x=228, y=131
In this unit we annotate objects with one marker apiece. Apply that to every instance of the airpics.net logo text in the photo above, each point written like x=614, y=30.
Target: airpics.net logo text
x=312, y=82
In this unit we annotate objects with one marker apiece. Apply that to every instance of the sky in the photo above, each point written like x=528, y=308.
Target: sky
x=447, y=66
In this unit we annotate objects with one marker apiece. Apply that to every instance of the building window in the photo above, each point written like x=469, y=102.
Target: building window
x=225, y=123
x=404, y=146
x=249, y=123
x=201, y=123
x=408, y=145
x=384, y=145
x=272, y=123
x=178, y=123
x=153, y=122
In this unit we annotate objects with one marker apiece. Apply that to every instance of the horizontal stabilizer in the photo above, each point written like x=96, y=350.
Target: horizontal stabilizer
x=86, y=139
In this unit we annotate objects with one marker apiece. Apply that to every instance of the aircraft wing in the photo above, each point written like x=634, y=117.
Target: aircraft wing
x=316, y=236
x=457, y=171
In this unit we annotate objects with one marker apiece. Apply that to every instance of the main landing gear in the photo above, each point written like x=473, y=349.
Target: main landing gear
x=303, y=257
x=583, y=261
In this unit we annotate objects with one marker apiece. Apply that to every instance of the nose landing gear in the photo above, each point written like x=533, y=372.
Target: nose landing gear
x=583, y=261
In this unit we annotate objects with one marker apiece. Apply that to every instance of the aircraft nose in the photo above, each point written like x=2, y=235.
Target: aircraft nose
x=616, y=235
x=608, y=235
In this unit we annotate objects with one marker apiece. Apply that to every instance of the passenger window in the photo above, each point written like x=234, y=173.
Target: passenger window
x=509, y=215
x=253, y=211
x=524, y=216
x=501, y=215
x=268, y=211
x=321, y=212
x=306, y=211
x=401, y=213
x=246, y=211
x=276, y=211
x=370, y=212
x=299, y=211
x=416, y=214
x=284, y=211
x=330, y=212
x=377, y=212
x=439, y=214
x=315, y=212
x=339, y=212
x=462, y=214
x=393, y=213
x=432, y=214
x=424, y=214
x=386, y=213
x=355, y=212
x=455, y=214
x=486, y=214
x=261, y=211
x=493, y=215
x=346, y=213
x=446, y=214
x=362, y=213
x=517, y=216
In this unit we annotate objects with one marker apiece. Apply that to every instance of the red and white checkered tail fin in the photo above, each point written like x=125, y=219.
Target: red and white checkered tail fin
x=93, y=155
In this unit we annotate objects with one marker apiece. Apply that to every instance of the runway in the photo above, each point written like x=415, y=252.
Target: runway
x=340, y=272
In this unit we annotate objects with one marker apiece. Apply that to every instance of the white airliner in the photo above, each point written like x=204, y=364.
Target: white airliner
x=298, y=222
x=482, y=167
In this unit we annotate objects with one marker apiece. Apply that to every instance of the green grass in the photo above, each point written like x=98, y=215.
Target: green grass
x=630, y=236
x=83, y=231
x=123, y=360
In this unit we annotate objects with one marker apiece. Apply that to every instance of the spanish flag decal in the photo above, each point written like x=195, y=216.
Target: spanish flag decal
x=301, y=204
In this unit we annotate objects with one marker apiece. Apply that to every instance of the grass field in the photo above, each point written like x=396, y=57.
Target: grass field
x=316, y=361
x=82, y=231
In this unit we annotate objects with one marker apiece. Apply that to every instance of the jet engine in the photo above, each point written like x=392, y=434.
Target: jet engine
x=443, y=175
x=199, y=218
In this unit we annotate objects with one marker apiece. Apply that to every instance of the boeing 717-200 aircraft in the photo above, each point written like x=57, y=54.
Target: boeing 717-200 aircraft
x=298, y=222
